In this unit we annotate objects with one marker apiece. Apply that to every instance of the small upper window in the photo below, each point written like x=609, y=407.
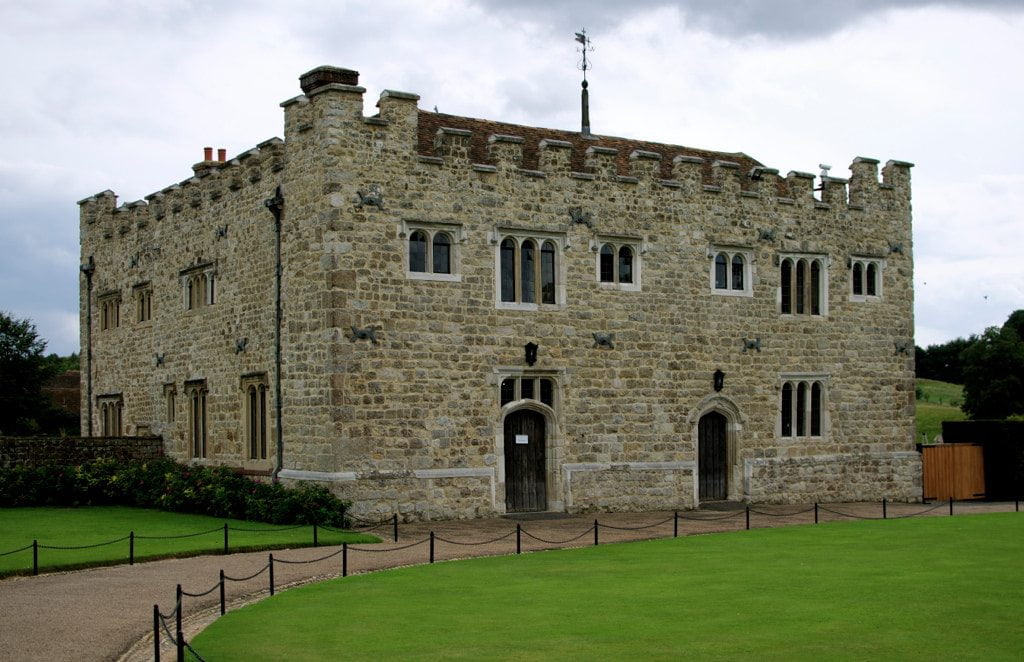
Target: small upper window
x=526, y=387
x=143, y=303
x=110, y=311
x=431, y=252
x=730, y=271
x=865, y=279
x=198, y=286
x=618, y=262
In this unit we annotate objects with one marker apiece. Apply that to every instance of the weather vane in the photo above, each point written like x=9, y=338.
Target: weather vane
x=584, y=41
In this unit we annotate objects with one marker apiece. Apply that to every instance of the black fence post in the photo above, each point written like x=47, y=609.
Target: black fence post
x=225, y=538
x=156, y=633
x=315, y=543
x=394, y=520
x=1016, y=505
x=885, y=513
x=131, y=548
x=431, y=546
x=519, y=538
x=675, y=524
x=950, y=506
x=344, y=559
x=35, y=557
x=596, y=528
x=271, y=563
x=815, y=512
x=748, y=518
x=223, y=602
x=179, y=636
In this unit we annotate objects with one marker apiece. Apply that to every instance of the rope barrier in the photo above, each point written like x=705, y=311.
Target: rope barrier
x=636, y=528
x=793, y=514
x=922, y=512
x=390, y=549
x=167, y=630
x=285, y=528
x=836, y=512
x=713, y=519
x=15, y=551
x=99, y=544
x=561, y=542
x=322, y=558
x=472, y=544
x=204, y=593
x=252, y=576
x=193, y=651
x=184, y=535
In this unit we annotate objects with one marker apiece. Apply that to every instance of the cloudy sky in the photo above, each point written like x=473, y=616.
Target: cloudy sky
x=124, y=95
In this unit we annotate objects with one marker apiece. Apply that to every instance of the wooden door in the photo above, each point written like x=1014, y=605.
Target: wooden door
x=953, y=471
x=712, y=466
x=525, y=476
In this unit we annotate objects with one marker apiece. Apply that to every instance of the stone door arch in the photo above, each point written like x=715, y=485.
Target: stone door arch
x=712, y=457
x=720, y=418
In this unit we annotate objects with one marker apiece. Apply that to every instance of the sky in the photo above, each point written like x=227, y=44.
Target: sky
x=124, y=95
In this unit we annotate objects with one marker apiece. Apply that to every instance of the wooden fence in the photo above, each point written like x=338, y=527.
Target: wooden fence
x=953, y=471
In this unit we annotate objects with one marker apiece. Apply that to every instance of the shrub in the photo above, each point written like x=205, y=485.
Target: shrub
x=168, y=485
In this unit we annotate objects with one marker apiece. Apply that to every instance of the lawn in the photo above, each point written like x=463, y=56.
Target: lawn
x=72, y=527
x=925, y=589
x=939, y=401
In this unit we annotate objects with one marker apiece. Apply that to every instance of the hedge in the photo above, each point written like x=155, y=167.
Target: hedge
x=167, y=485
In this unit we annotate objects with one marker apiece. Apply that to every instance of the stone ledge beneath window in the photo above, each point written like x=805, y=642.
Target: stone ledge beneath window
x=423, y=275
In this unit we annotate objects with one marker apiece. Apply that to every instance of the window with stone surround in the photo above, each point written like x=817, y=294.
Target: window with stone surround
x=432, y=250
x=618, y=262
x=731, y=268
x=254, y=406
x=196, y=392
x=170, y=402
x=198, y=286
x=110, y=310
x=111, y=409
x=539, y=386
x=803, y=285
x=802, y=406
x=528, y=266
x=866, y=278
x=143, y=302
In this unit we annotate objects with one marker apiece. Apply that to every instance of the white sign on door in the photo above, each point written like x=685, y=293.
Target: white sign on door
x=522, y=439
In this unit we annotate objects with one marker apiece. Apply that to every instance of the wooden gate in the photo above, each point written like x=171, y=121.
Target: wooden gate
x=525, y=480
x=953, y=471
x=712, y=467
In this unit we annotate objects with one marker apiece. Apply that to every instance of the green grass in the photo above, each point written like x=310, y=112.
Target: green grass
x=65, y=527
x=926, y=589
x=940, y=401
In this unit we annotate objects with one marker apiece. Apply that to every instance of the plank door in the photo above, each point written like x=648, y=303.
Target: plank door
x=712, y=467
x=525, y=479
x=953, y=471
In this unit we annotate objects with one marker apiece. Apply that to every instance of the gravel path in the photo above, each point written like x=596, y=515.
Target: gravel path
x=107, y=613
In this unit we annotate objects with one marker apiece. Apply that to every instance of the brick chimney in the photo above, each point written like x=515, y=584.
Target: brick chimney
x=208, y=161
x=325, y=75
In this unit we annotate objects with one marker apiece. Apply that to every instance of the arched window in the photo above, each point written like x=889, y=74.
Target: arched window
x=418, y=251
x=528, y=270
x=607, y=267
x=737, y=272
x=625, y=264
x=786, y=278
x=721, y=272
x=871, y=279
x=802, y=285
x=798, y=294
x=442, y=253
x=858, y=273
x=508, y=270
x=527, y=387
x=801, y=408
x=865, y=279
x=815, y=287
x=196, y=392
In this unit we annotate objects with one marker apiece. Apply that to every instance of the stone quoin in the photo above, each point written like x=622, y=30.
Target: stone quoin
x=478, y=317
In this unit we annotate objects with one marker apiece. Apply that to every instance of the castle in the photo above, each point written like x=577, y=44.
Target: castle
x=450, y=317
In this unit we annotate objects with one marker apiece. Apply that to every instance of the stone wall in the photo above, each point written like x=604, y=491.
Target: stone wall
x=411, y=419
x=37, y=451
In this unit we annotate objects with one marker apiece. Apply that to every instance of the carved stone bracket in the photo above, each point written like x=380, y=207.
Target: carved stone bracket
x=579, y=216
x=221, y=232
x=749, y=344
x=606, y=340
x=372, y=199
x=896, y=247
x=766, y=235
x=241, y=344
x=369, y=333
x=159, y=360
x=902, y=346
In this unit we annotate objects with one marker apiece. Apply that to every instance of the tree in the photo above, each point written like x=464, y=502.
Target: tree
x=23, y=371
x=994, y=371
x=943, y=362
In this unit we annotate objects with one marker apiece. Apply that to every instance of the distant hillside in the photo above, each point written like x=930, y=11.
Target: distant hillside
x=936, y=402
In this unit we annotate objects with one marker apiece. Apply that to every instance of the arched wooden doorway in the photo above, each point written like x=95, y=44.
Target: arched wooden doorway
x=525, y=476
x=712, y=458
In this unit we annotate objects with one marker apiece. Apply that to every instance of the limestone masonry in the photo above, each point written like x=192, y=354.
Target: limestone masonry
x=473, y=317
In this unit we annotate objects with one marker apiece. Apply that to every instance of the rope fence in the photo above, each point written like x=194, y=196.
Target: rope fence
x=160, y=626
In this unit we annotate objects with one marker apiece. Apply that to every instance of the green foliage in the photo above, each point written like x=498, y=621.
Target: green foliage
x=994, y=371
x=942, y=362
x=928, y=588
x=936, y=402
x=168, y=485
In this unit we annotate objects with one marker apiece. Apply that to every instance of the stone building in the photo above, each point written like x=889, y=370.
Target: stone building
x=472, y=317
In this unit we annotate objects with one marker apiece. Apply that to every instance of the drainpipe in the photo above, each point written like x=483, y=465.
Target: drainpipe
x=276, y=207
x=88, y=269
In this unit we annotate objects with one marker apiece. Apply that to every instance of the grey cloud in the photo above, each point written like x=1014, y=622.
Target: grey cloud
x=787, y=20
